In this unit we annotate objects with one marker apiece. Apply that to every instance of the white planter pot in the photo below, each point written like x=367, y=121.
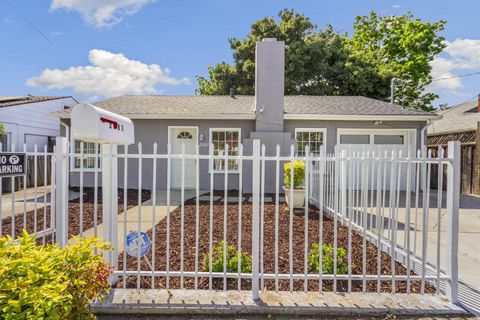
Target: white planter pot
x=298, y=197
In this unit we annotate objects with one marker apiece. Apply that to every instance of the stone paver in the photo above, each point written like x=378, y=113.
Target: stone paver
x=233, y=199
x=207, y=198
x=191, y=302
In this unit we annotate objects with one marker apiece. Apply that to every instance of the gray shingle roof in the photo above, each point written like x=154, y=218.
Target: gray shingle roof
x=344, y=105
x=245, y=105
x=179, y=105
x=8, y=101
x=456, y=119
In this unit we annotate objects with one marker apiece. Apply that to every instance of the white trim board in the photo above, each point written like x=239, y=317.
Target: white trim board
x=354, y=117
x=287, y=116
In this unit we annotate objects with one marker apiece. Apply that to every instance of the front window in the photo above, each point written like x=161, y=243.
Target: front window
x=219, y=138
x=88, y=149
x=313, y=138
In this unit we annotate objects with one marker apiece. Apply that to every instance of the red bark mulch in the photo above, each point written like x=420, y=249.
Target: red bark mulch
x=269, y=243
x=73, y=210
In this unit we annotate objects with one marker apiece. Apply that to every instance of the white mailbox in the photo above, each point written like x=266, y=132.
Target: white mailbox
x=93, y=124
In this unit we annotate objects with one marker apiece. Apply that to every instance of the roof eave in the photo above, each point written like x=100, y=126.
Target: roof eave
x=362, y=117
x=139, y=116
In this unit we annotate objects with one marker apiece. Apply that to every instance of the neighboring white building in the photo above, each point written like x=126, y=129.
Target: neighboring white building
x=26, y=120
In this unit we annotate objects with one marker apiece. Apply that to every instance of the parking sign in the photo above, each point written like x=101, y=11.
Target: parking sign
x=12, y=164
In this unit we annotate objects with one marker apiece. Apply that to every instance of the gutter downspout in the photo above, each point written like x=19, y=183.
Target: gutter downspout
x=67, y=130
x=422, y=133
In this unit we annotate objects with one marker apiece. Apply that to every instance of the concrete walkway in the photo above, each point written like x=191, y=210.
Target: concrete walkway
x=144, y=213
x=24, y=200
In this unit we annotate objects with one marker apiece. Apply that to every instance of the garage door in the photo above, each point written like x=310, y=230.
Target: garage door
x=378, y=141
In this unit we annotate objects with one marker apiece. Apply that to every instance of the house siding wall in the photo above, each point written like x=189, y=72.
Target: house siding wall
x=29, y=123
x=150, y=131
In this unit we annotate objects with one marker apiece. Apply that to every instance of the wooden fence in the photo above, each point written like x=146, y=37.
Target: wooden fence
x=469, y=172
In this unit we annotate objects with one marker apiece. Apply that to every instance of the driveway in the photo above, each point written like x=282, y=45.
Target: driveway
x=469, y=236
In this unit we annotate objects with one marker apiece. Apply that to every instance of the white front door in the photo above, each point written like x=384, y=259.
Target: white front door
x=183, y=136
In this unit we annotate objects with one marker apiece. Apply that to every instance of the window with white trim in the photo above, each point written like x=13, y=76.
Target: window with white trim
x=88, y=149
x=219, y=138
x=314, y=138
x=184, y=135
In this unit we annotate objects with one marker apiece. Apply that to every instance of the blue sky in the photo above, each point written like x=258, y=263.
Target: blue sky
x=102, y=48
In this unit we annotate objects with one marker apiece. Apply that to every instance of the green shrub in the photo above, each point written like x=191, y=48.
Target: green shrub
x=327, y=259
x=46, y=282
x=298, y=174
x=232, y=260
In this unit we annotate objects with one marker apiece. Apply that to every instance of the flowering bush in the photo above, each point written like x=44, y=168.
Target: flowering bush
x=327, y=259
x=298, y=174
x=46, y=282
x=232, y=260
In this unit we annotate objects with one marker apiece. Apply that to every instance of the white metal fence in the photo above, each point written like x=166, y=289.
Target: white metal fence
x=372, y=233
x=25, y=201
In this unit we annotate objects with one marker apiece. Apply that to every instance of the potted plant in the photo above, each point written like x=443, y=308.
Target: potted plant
x=298, y=200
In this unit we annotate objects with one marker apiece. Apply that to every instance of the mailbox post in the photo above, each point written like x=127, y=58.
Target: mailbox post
x=93, y=124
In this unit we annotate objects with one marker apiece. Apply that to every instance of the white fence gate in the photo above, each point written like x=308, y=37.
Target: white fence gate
x=368, y=236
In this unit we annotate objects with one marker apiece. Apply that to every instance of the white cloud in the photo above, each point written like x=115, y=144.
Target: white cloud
x=465, y=51
x=440, y=69
x=101, y=13
x=109, y=75
x=460, y=54
x=396, y=6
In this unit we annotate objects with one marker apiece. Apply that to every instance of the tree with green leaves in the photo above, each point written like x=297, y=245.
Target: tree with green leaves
x=2, y=129
x=325, y=62
x=402, y=47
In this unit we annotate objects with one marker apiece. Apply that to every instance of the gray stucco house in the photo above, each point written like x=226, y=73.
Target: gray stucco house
x=350, y=121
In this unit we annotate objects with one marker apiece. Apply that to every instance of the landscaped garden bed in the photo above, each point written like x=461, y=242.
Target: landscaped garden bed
x=269, y=247
x=74, y=212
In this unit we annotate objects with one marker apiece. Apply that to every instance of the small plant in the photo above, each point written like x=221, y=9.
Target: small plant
x=46, y=282
x=327, y=259
x=298, y=174
x=231, y=261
